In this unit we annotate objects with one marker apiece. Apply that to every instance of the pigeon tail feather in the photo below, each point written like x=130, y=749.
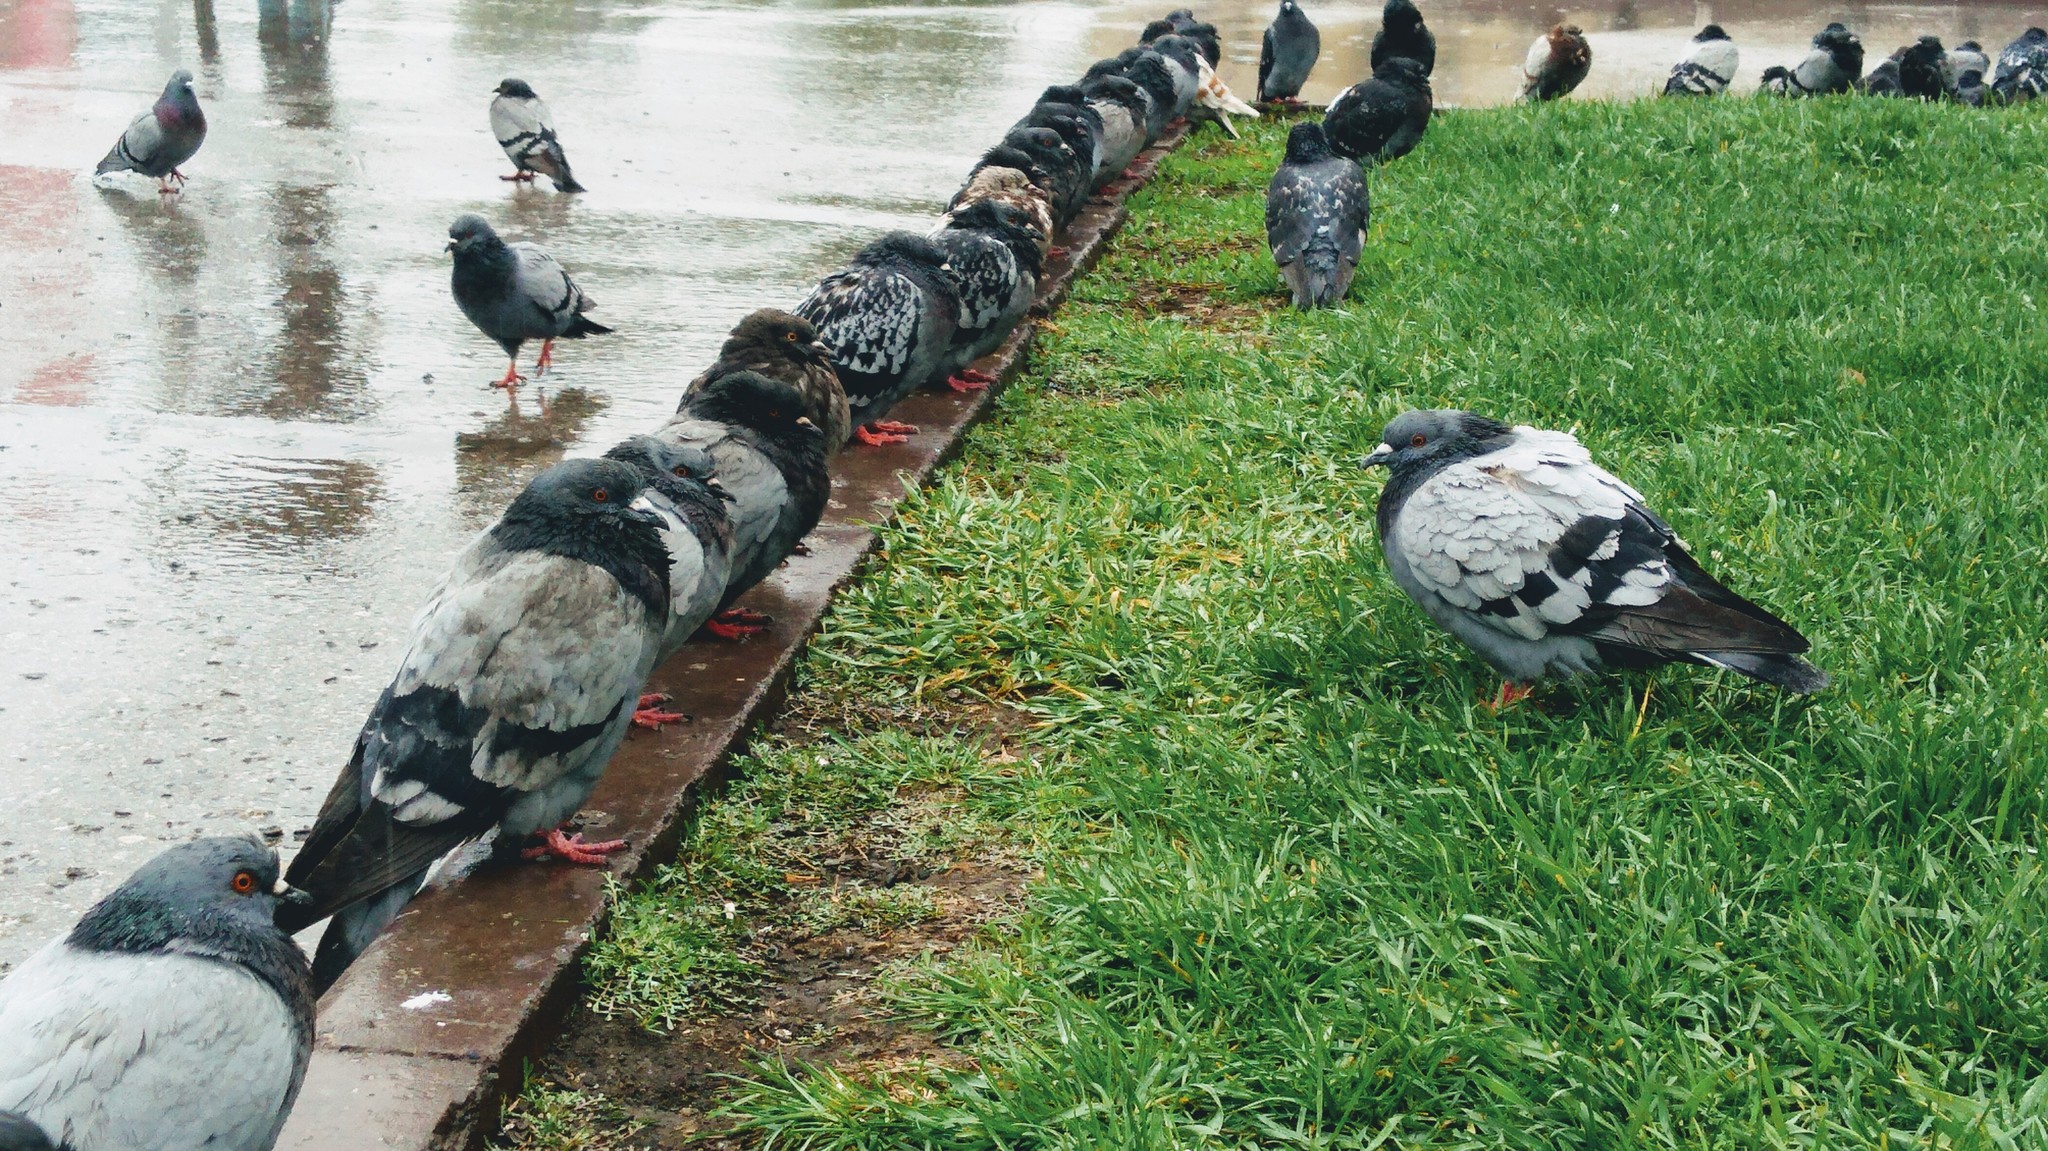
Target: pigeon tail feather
x=1786, y=671
x=1315, y=279
x=583, y=326
x=354, y=927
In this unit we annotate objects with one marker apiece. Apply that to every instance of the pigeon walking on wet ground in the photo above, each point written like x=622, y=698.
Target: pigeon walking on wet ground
x=1403, y=33
x=514, y=293
x=1383, y=118
x=526, y=130
x=783, y=346
x=696, y=532
x=1708, y=66
x=174, y=1015
x=1288, y=53
x=519, y=681
x=1834, y=65
x=1515, y=542
x=2022, y=72
x=162, y=138
x=889, y=318
x=993, y=251
x=1557, y=63
x=1317, y=211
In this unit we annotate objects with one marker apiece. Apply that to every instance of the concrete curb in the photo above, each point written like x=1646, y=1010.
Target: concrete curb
x=419, y=1045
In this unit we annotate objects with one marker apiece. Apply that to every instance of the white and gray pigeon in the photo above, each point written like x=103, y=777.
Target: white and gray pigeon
x=1382, y=118
x=1834, y=65
x=17, y=1133
x=993, y=250
x=174, y=1015
x=162, y=138
x=2022, y=72
x=1515, y=542
x=1317, y=212
x=1403, y=33
x=1708, y=67
x=519, y=681
x=514, y=293
x=1557, y=63
x=526, y=130
x=1213, y=101
x=889, y=318
x=1968, y=56
x=1122, y=108
x=1288, y=53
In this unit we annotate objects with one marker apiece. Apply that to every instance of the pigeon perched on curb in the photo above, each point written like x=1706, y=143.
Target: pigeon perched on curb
x=1160, y=81
x=889, y=318
x=1184, y=62
x=17, y=1133
x=1121, y=107
x=1078, y=128
x=1970, y=88
x=1515, y=542
x=1182, y=22
x=1067, y=173
x=1317, y=211
x=526, y=130
x=2022, y=72
x=993, y=250
x=696, y=531
x=1402, y=33
x=1557, y=63
x=159, y=140
x=174, y=1015
x=1883, y=80
x=1834, y=64
x=1708, y=67
x=1383, y=118
x=1006, y=176
x=1288, y=53
x=1923, y=70
x=1968, y=56
x=518, y=683
x=514, y=293
x=784, y=346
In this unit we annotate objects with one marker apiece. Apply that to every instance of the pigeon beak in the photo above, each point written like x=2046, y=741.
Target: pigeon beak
x=643, y=511
x=450, y=247
x=290, y=894
x=1381, y=456
x=712, y=483
x=805, y=423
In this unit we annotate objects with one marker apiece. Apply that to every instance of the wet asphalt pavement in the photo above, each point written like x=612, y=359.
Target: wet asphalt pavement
x=243, y=429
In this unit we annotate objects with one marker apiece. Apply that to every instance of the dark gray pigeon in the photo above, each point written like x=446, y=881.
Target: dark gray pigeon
x=520, y=680
x=696, y=530
x=18, y=1134
x=526, y=130
x=1882, y=80
x=1514, y=541
x=1402, y=33
x=1317, y=211
x=888, y=318
x=1970, y=88
x=1383, y=118
x=1161, y=83
x=1834, y=65
x=174, y=1015
x=1288, y=53
x=1557, y=63
x=1183, y=62
x=993, y=250
x=1182, y=22
x=1069, y=174
x=1923, y=70
x=2022, y=72
x=784, y=346
x=1079, y=129
x=514, y=293
x=1708, y=67
x=1122, y=108
x=162, y=138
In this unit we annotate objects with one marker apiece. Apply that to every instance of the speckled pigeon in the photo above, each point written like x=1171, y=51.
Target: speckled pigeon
x=175, y=1015
x=17, y=1133
x=162, y=138
x=1708, y=66
x=1557, y=63
x=1383, y=118
x=1008, y=176
x=784, y=346
x=517, y=685
x=1288, y=53
x=1317, y=211
x=993, y=251
x=526, y=130
x=1513, y=540
x=514, y=293
x=2022, y=72
x=888, y=318
x=1122, y=107
x=1402, y=33
x=1834, y=64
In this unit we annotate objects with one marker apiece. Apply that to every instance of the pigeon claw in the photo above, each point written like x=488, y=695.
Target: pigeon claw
x=724, y=630
x=520, y=177
x=572, y=848
x=883, y=432
x=962, y=384
x=1056, y=253
x=652, y=718
x=511, y=380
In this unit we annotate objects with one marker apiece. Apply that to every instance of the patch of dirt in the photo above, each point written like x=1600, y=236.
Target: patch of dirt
x=1199, y=304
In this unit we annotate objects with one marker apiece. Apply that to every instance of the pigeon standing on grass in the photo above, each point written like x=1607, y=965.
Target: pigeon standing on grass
x=1708, y=67
x=1834, y=65
x=993, y=251
x=889, y=319
x=1970, y=88
x=162, y=138
x=526, y=130
x=520, y=679
x=1557, y=63
x=1882, y=80
x=1402, y=33
x=1514, y=541
x=1383, y=118
x=785, y=347
x=2022, y=68
x=175, y=1015
x=514, y=293
x=1287, y=54
x=1317, y=211
x=18, y=1134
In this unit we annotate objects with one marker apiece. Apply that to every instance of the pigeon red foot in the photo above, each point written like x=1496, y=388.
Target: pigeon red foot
x=1509, y=695
x=519, y=177
x=572, y=848
x=649, y=714
x=965, y=383
x=1056, y=253
x=736, y=623
x=882, y=432
x=511, y=380
x=547, y=358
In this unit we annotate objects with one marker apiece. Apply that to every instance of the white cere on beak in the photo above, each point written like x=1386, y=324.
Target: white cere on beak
x=280, y=887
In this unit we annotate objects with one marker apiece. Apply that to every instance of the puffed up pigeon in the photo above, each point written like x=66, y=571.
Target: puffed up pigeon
x=519, y=681
x=1970, y=88
x=1068, y=175
x=784, y=346
x=18, y=1134
x=1383, y=118
x=1923, y=70
x=889, y=320
x=514, y=293
x=1514, y=541
x=526, y=130
x=1161, y=82
x=1402, y=33
x=2022, y=72
x=1182, y=22
x=1288, y=53
x=993, y=250
x=1969, y=56
x=162, y=138
x=1882, y=80
x=1063, y=112
x=1708, y=67
x=1834, y=64
x=175, y=1014
x=1557, y=63
x=1122, y=108
x=1009, y=176
x=1317, y=211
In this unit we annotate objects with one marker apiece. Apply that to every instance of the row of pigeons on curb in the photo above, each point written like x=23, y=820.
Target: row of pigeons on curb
x=526, y=667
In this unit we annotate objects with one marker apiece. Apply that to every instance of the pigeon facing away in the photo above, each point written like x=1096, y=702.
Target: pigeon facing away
x=1557, y=63
x=1402, y=33
x=1834, y=64
x=1708, y=67
x=174, y=1015
x=1517, y=543
x=1383, y=118
x=1923, y=70
x=1121, y=107
x=162, y=138
x=1288, y=53
x=526, y=130
x=1007, y=176
x=1969, y=56
x=514, y=293
x=993, y=250
x=785, y=347
x=520, y=679
x=1317, y=211
x=2022, y=68
x=889, y=319
x=18, y=1134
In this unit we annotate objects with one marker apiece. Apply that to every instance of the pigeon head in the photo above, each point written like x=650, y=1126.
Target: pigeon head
x=772, y=332
x=752, y=400
x=1116, y=90
x=180, y=85
x=1289, y=7
x=903, y=248
x=18, y=1134
x=1180, y=50
x=517, y=89
x=1049, y=153
x=470, y=232
x=1710, y=32
x=203, y=897
x=1974, y=78
x=1402, y=71
x=579, y=492
x=1150, y=72
x=1306, y=143
x=179, y=103
x=678, y=471
x=1062, y=94
x=1400, y=14
x=1207, y=39
x=1777, y=73
x=1842, y=47
x=1155, y=30
x=587, y=510
x=2034, y=35
x=1432, y=438
x=1969, y=46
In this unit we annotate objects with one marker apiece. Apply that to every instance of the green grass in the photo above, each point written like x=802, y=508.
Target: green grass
x=1301, y=890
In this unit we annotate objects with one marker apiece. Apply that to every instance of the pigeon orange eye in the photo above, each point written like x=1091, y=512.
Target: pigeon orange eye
x=600, y=495
x=790, y=336
x=774, y=413
x=1417, y=440
x=682, y=470
x=244, y=882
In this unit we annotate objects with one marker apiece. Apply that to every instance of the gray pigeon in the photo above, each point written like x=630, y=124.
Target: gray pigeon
x=1513, y=540
x=1969, y=56
x=1122, y=108
x=889, y=318
x=1557, y=63
x=1317, y=211
x=1882, y=80
x=1970, y=88
x=1402, y=33
x=514, y=293
x=162, y=138
x=18, y=1134
x=1064, y=110
x=519, y=681
x=1383, y=118
x=784, y=346
x=2022, y=72
x=1288, y=53
x=526, y=130
x=1834, y=65
x=174, y=1016
x=993, y=250
x=1708, y=67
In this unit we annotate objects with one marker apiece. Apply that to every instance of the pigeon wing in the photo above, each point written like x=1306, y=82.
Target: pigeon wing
x=544, y=290
x=1298, y=209
x=986, y=273
x=137, y=146
x=523, y=128
x=869, y=317
x=759, y=493
x=1265, y=61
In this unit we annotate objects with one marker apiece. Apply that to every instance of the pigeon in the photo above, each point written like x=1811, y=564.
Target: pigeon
x=993, y=251
x=1068, y=175
x=770, y=458
x=1383, y=118
x=1557, y=62
x=888, y=318
x=1708, y=66
x=1923, y=70
x=786, y=347
x=1317, y=210
x=1969, y=56
x=1077, y=126
x=1182, y=22
x=18, y=1134
x=514, y=293
x=174, y=1014
x=518, y=683
x=1185, y=60
x=1970, y=88
x=1215, y=103
x=1882, y=80
x=1287, y=54
x=162, y=138
x=1402, y=33
x=2022, y=72
x=1006, y=175
x=1121, y=107
x=1515, y=542
x=526, y=130
x=1150, y=71
x=1835, y=64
